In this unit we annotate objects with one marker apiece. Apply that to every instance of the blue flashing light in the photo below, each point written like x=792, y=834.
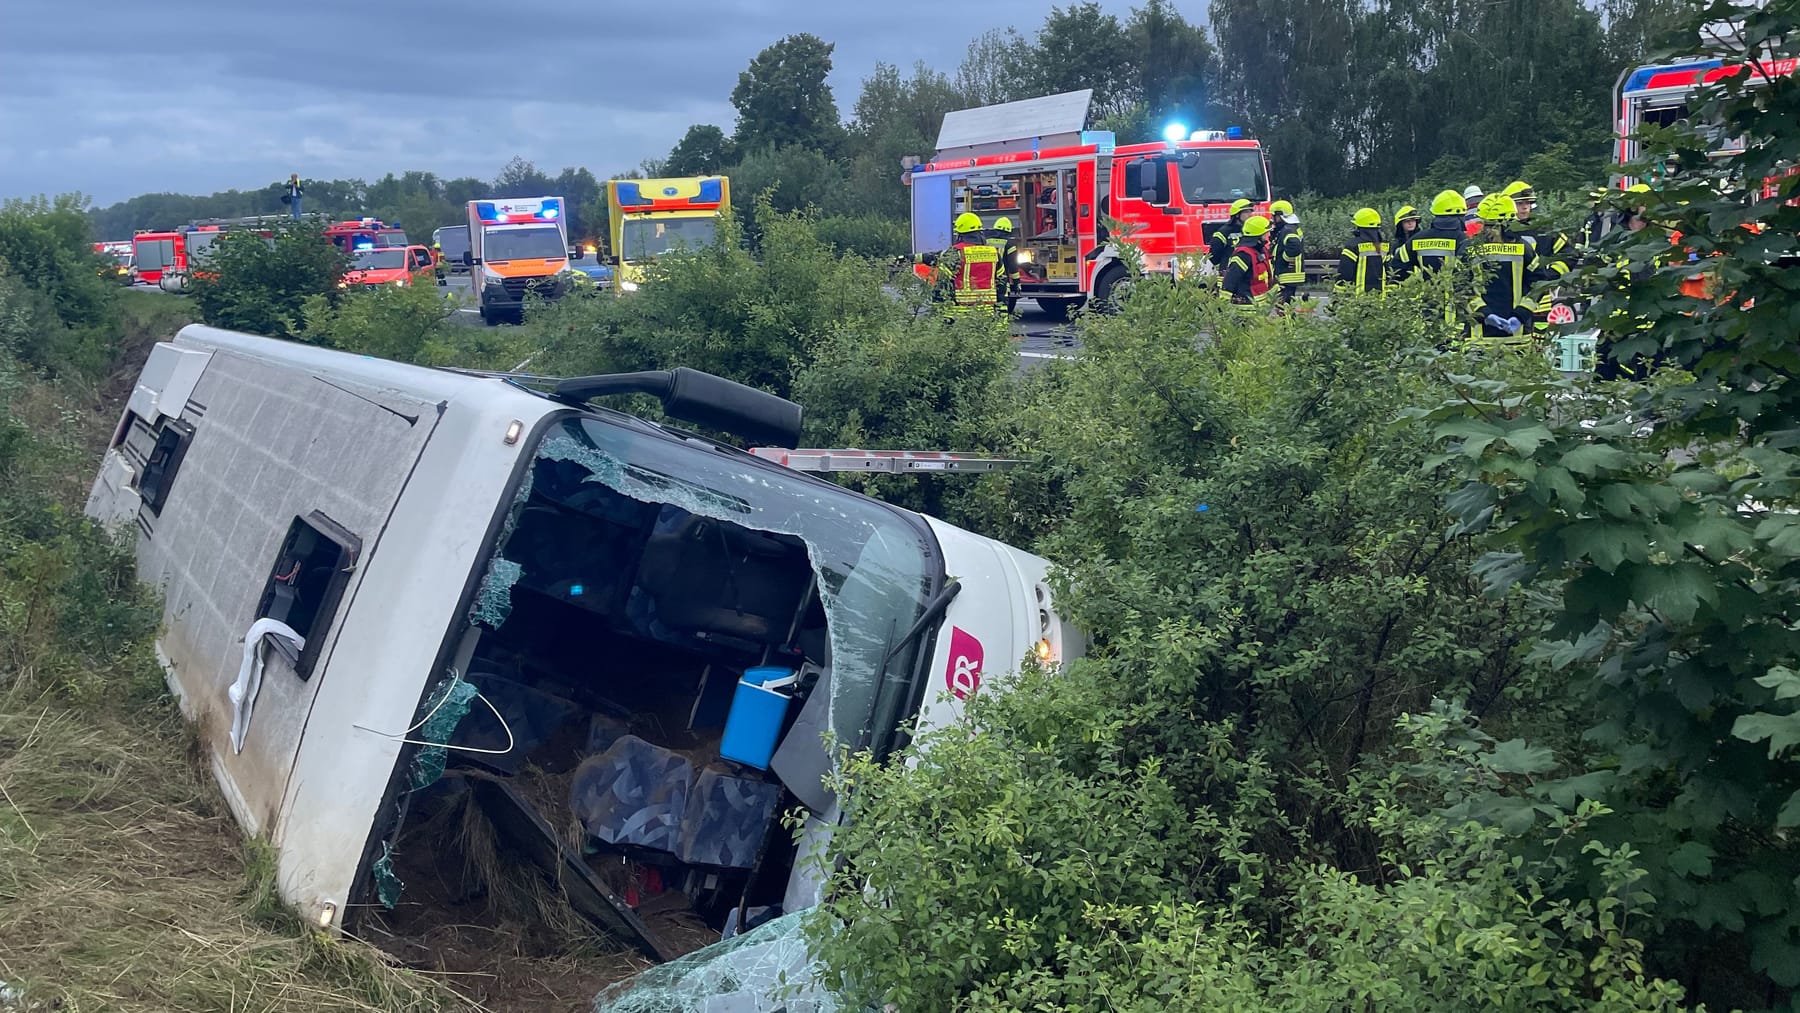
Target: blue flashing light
x=1234, y=133
x=550, y=212
x=711, y=191
x=576, y=590
x=365, y=244
x=1175, y=132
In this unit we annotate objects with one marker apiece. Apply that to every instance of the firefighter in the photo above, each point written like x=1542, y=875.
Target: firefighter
x=1287, y=249
x=1553, y=249
x=1002, y=240
x=1406, y=225
x=1224, y=236
x=971, y=267
x=1429, y=249
x=1509, y=263
x=1248, y=273
x=1362, y=265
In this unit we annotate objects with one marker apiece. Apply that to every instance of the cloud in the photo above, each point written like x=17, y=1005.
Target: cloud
x=200, y=95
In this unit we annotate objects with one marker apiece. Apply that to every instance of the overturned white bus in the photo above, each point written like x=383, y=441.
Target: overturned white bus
x=393, y=590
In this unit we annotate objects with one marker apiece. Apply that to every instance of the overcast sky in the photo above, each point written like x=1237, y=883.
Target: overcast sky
x=116, y=98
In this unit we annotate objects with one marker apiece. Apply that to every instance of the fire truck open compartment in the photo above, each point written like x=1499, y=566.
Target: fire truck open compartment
x=613, y=746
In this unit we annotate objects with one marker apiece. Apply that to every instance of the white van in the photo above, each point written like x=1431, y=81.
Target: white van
x=609, y=625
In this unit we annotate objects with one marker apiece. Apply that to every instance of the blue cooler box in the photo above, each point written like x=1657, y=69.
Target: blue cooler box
x=757, y=714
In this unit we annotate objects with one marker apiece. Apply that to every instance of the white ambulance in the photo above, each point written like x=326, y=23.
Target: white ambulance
x=392, y=591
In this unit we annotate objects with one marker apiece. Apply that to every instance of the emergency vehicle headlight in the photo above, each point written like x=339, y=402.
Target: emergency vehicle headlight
x=1044, y=651
x=1175, y=132
x=1024, y=256
x=628, y=286
x=400, y=281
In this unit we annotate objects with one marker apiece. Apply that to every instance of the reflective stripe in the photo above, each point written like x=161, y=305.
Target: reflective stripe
x=977, y=275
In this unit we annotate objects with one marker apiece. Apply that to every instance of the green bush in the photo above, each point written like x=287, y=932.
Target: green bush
x=261, y=285
x=60, y=313
x=912, y=384
x=1272, y=583
x=871, y=236
x=750, y=317
x=1027, y=861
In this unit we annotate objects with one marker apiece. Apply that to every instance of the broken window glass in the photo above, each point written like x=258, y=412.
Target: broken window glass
x=765, y=970
x=876, y=567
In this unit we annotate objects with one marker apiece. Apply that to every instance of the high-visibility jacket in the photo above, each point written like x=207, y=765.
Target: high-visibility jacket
x=1363, y=264
x=1221, y=239
x=1554, y=251
x=1289, y=255
x=1248, y=273
x=977, y=274
x=1510, y=265
x=1431, y=248
x=1009, y=261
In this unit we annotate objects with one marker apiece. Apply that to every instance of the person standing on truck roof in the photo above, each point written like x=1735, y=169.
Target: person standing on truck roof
x=1288, y=250
x=1363, y=263
x=1248, y=272
x=1224, y=236
x=292, y=197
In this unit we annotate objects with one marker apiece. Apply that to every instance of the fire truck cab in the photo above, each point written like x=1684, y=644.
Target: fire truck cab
x=1063, y=186
x=365, y=234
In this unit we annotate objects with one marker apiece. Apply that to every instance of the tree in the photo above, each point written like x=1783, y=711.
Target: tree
x=895, y=117
x=520, y=178
x=996, y=68
x=782, y=97
x=1174, y=69
x=1081, y=46
x=703, y=151
x=1660, y=515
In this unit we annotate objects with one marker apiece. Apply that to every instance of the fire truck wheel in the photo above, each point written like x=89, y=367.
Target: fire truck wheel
x=1107, y=288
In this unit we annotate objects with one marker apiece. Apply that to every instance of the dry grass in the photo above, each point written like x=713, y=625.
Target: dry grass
x=125, y=885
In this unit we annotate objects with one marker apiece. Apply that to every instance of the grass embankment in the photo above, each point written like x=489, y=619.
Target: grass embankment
x=124, y=883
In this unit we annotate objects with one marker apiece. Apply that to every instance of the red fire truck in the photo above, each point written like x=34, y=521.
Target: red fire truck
x=154, y=252
x=1032, y=162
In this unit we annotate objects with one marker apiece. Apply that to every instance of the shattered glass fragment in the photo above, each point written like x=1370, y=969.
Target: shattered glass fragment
x=765, y=970
x=387, y=881
x=446, y=706
x=493, y=603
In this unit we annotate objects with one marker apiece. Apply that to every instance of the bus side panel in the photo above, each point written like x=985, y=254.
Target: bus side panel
x=270, y=444
x=388, y=645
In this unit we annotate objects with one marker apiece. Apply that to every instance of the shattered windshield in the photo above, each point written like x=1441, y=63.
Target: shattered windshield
x=876, y=567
